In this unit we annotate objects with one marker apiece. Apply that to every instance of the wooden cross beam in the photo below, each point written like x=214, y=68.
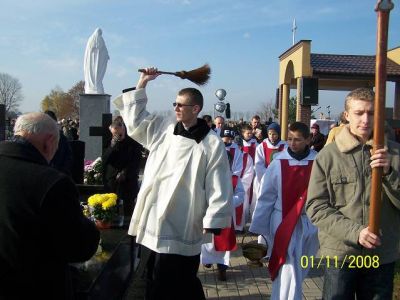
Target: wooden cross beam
x=103, y=131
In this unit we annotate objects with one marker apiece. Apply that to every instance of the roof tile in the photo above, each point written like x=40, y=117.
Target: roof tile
x=349, y=64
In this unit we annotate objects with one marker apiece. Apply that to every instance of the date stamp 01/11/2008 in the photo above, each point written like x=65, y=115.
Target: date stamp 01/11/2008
x=349, y=261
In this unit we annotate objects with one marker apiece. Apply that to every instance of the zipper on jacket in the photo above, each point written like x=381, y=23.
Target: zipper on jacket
x=364, y=202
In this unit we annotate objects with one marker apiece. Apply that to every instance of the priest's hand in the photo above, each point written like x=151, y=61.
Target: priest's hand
x=146, y=76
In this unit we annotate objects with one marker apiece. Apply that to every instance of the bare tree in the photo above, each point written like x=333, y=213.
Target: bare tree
x=268, y=110
x=10, y=92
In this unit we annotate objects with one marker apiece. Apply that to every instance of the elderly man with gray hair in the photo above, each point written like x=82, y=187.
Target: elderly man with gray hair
x=42, y=227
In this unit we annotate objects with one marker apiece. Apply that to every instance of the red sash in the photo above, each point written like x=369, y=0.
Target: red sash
x=245, y=158
x=269, y=152
x=226, y=240
x=294, y=193
x=239, y=209
x=251, y=150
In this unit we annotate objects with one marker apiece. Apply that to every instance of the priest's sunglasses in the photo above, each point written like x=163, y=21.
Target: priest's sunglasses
x=175, y=104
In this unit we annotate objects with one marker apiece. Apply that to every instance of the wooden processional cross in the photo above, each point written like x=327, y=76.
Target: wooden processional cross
x=103, y=131
x=383, y=8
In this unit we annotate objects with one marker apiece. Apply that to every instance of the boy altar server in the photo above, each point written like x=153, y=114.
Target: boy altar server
x=265, y=153
x=266, y=150
x=242, y=213
x=249, y=142
x=227, y=135
x=248, y=174
x=280, y=216
x=218, y=252
x=236, y=164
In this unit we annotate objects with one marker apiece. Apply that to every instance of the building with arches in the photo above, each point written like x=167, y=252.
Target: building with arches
x=309, y=72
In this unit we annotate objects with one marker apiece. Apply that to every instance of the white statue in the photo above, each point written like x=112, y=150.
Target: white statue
x=95, y=63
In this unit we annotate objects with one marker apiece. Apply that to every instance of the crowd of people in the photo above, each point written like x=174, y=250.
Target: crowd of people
x=299, y=195
x=204, y=182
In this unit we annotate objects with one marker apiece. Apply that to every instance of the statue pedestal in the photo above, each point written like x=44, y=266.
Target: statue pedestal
x=91, y=110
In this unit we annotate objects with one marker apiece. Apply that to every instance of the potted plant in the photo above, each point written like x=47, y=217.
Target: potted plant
x=103, y=208
x=92, y=174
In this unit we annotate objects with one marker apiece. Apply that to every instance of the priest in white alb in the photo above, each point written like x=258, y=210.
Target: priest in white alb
x=184, y=191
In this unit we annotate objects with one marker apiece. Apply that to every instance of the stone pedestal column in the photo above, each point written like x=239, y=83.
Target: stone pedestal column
x=91, y=109
x=280, y=104
x=285, y=110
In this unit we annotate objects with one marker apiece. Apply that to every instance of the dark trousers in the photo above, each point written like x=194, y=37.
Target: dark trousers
x=366, y=284
x=172, y=276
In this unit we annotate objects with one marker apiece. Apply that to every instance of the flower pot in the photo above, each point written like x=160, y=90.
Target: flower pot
x=103, y=224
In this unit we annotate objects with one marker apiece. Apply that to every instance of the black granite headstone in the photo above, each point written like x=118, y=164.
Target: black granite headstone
x=103, y=131
x=2, y=122
x=78, y=155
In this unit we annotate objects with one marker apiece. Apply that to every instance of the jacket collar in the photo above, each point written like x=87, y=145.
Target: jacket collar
x=20, y=148
x=198, y=132
x=299, y=156
x=346, y=141
x=285, y=155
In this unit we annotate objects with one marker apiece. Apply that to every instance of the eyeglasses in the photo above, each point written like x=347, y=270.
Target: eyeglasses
x=175, y=104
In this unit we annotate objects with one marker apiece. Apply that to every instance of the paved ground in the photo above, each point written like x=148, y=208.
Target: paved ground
x=243, y=282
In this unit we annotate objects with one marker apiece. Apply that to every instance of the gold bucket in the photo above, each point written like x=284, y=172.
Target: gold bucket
x=254, y=251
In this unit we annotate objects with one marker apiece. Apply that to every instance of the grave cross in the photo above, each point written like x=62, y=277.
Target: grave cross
x=103, y=131
x=2, y=122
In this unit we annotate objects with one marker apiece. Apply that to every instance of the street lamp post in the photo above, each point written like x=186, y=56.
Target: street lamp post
x=220, y=105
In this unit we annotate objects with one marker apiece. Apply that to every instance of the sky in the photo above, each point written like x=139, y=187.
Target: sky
x=42, y=44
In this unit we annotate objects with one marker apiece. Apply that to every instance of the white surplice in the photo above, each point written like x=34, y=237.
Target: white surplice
x=184, y=186
x=267, y=217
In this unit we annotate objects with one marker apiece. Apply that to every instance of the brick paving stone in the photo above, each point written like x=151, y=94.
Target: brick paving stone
x=312, y=296
x=264, y=290
x=243, y=292
x=310, y=284
x=319, y=282
x=210, y=293
x=253, y=290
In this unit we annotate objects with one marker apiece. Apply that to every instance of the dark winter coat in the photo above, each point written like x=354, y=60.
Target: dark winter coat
x=42, y=228
x=63, y=159
x=121, y=163
x=317, y=141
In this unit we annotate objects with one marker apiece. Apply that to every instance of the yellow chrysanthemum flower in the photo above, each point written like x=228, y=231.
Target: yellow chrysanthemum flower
x=94, y=200
x=112, y=196
x=102, y=206
x=111, y=202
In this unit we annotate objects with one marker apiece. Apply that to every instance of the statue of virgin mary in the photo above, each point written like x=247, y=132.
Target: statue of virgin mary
x=95, y=63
